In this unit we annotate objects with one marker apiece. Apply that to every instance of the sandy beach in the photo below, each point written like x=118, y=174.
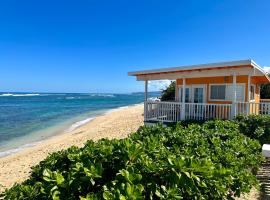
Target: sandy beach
x=15, y=168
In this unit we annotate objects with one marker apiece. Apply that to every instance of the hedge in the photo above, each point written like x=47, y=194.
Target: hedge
x=213, y=160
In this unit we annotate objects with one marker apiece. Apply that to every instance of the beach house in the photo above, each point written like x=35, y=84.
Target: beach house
x=206, y=91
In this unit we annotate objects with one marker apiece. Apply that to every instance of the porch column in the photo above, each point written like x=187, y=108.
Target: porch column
x=176, y=91
x=145, y=98
x=183, y=100
x=248, y=96
x=234, y=97
x=146, y=90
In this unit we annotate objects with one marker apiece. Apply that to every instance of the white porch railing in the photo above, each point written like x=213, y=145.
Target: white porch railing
x=265, y=106
x=173, y=111
x=245, y=108
x=202, y=111
x=162, y=111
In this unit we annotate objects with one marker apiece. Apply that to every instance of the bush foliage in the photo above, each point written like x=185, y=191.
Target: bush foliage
x=255, y=126
x=212, y=160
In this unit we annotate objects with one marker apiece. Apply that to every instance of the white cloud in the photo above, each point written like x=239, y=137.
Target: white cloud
x=266, y=69
x=158, y=85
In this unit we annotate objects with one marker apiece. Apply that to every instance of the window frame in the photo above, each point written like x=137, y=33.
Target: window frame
x=226, y=84
x=254, y=89
x=180, y=91
x=191, y=91
x=210, y=89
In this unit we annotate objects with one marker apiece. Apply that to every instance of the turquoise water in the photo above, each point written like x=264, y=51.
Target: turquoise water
x=26, y=119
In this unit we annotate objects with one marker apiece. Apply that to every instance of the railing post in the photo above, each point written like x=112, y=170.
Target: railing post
x=183, y=106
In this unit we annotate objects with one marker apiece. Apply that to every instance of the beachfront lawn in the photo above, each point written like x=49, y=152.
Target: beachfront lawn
x=210, y=160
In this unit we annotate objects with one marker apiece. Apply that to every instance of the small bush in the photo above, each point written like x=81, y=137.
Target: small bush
x=255, y=126
x=208, y=161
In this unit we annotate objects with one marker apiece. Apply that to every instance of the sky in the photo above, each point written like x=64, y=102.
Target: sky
x=90, y=45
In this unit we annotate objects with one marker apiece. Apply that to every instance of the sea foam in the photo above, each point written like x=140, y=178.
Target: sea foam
x=20, y=148
x=102, y=95
x=18, y=95
x=78, y=124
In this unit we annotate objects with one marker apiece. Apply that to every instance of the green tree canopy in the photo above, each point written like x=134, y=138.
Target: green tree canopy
x=169, y=93
x=265, y=91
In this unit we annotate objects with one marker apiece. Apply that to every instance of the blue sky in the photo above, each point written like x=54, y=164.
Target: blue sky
x=89, y=46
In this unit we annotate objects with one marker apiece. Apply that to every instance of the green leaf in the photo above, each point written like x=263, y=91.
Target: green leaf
x=47, y=175
x=59, y=178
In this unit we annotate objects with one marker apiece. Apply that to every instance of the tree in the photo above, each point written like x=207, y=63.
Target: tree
x=169, y=93
x=265, y=90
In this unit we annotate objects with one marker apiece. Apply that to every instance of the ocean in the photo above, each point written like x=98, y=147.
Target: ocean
x=28, y=118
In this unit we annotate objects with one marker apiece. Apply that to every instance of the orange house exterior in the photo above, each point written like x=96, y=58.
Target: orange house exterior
x=214, y=90
x=207, y=81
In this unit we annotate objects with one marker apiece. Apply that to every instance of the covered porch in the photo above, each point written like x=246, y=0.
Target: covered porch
x=208, y=91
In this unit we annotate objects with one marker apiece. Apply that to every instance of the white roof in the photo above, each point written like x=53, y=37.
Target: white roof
x=200, y=66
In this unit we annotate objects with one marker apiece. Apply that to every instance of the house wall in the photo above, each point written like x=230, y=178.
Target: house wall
x=220, y=80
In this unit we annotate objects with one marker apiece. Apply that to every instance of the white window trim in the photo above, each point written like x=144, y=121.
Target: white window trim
x=199, y=86
x=191, y=88
x=252, y=85
x=179, y=92
x=226, y=84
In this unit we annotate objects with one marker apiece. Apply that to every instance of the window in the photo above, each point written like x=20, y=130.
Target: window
x=218, y=92
x=187, y=95
x=252, y=92
x=198, y=95
x=240, y=93
x=225, y=92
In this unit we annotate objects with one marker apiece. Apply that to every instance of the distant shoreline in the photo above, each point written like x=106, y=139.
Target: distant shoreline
x=69, y=128
x=113, y=123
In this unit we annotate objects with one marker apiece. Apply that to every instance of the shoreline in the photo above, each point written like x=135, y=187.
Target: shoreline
x=113, y=123
x=71, y=127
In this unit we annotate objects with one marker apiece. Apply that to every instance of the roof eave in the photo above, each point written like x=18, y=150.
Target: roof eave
x=258, y=67
x=194, y=67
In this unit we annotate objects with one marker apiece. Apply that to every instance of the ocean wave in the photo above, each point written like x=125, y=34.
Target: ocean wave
x=71, y=98
x=85, y=121
x=18, y=95
x=68, y=98
x=102, y=95
x=78, y=124
x=15, y=150
x=154, y=99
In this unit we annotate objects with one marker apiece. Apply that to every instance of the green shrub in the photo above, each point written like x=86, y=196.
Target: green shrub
x=208, y=161
x=255, y=126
